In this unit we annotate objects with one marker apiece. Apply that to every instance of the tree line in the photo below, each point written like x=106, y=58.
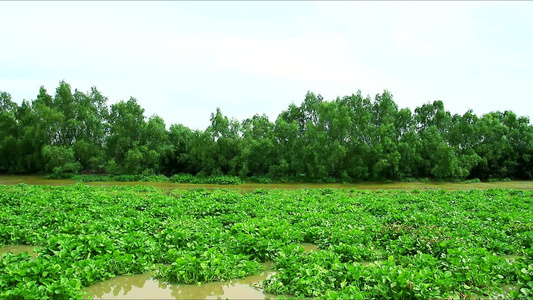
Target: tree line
x=353, y=138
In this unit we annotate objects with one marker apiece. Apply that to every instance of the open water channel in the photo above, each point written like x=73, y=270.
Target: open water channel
x=249, y=187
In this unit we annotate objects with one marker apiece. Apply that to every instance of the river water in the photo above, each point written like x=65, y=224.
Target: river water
x=249, y=187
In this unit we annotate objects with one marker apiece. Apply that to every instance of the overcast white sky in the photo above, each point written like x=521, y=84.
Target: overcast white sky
x=182, y=60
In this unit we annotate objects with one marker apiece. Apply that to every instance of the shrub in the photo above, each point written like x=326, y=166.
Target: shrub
x=473, y=180
x=407, y=179
x=182, y=178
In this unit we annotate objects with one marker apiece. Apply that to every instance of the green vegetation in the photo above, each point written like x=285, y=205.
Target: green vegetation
x=126, y=178
x=177, y=178
x=382, y=244
x=208, y=265
x=188, y=178
x=348, y=139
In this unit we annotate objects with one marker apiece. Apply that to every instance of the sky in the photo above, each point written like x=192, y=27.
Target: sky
x=182, y=59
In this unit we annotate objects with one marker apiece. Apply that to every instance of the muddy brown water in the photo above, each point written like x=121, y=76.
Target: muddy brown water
x=249, y=187
x=371, y=263
x=17, y=249
x=309, y=247
x=144, y=286
x=512, y=257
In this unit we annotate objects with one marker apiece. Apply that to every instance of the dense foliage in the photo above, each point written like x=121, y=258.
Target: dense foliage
x=382, y=244
x=177, y=178
x=348, y=139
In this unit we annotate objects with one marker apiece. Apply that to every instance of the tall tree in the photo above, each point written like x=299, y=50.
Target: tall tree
x=8, y=133
x=126, y=124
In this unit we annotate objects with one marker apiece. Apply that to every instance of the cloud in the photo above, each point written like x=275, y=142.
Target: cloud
x=486, y=26
x=192, y=57
x=408, y=39
x=315, y=56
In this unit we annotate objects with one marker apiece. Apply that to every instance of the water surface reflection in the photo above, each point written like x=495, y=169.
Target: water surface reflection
x=144, y=286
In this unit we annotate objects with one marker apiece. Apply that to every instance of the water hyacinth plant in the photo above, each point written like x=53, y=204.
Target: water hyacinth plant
x=371, y=244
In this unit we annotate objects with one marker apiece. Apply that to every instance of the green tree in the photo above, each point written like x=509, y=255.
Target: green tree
x=60, y=161
x=257, y=146
x=157, y=148
x=360, y=136
x=225, y=135
x=8, y=133
x=181, y=143
x=126, y=124
x=91, y=127
x=287, y=150
x=385, y=138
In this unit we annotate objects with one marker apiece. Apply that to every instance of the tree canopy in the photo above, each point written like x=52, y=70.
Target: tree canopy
x=353, y=138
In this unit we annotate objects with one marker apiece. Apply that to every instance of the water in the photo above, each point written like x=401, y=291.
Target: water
x=512, y=258
x=369, y=263
x=309, y=247
x=144, y=286
x=249, y=187
x=18, y=249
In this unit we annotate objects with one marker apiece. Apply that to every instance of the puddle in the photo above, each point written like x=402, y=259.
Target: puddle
x=369, y=263
x=508, y=288
x=143, y=286
x=18, y=249
x=309, y=247
x=512, y=258
x=504, y=294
